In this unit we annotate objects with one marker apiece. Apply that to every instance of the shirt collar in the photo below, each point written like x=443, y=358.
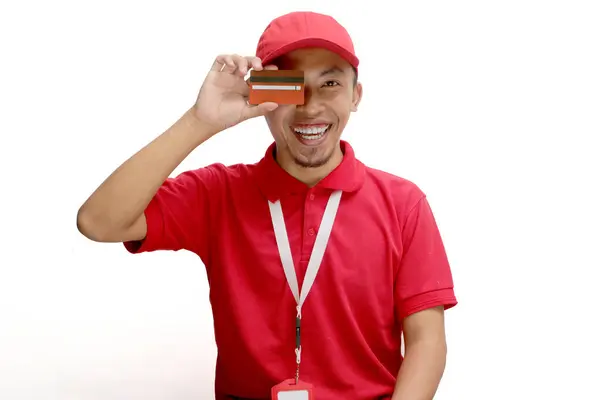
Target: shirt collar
x=275, y=182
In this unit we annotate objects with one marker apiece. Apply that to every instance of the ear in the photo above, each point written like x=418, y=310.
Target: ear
x=356, y=96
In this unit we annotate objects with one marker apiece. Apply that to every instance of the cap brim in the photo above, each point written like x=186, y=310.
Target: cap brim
x=312, y=42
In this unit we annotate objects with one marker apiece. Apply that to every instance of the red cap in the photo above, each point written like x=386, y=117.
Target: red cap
x=298, y=30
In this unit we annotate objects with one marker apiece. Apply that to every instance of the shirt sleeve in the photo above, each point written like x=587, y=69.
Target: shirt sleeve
x=178, y=216
x=424, y=279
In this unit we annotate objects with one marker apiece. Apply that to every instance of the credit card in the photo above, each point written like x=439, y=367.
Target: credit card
x=278, y=86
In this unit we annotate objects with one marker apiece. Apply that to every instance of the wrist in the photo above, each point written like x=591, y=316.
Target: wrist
x=195, y=116
x=197, y=130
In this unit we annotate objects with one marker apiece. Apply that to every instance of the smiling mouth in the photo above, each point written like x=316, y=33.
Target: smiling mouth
x=310, y=134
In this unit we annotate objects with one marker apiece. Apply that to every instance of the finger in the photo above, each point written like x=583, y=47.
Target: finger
x=218, y=64
x=244, y=88
x=230, y=64
x=226, y=62
x=271, y=67
x=258, y=110
x=241, y=64
x=254, y=63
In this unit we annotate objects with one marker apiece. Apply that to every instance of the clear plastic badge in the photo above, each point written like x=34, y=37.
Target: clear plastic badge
x=290, y=390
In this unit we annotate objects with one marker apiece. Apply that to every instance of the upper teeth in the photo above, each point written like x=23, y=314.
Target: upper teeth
x=313, y=130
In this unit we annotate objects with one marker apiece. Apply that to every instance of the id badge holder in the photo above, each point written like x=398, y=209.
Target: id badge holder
x=290, y=390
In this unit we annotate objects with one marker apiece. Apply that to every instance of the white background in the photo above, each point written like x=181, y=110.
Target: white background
x=493, y=108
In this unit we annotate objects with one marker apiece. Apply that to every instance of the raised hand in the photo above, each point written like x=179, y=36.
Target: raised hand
x=223, y=98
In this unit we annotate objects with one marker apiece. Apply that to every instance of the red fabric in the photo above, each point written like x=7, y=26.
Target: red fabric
x=305, y=29
x=385, y=260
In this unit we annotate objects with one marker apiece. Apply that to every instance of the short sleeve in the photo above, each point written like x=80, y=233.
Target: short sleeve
x=424, y=279
x=178, y=216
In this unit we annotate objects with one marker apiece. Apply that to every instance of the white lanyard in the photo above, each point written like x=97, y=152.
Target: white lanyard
x=316, y=256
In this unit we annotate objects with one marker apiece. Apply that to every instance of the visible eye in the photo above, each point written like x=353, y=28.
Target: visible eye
x=331, y=83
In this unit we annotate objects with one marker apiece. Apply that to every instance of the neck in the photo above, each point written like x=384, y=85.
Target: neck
x=310, y=175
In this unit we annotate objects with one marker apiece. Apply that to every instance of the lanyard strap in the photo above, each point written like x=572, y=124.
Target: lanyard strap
x=314, y=263
x=318, y=250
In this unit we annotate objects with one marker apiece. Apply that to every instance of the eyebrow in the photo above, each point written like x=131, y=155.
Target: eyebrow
x=332, y=70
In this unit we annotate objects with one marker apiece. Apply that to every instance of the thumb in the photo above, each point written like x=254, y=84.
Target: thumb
x=258, y=110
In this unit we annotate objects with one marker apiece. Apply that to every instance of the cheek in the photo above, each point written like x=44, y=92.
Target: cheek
x=342, y=110
x=273, y=120
x=278, y=118
x=341, y=102
x=277, y=122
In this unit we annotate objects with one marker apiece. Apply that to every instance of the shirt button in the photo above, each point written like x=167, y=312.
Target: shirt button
x=311, y=196
x=311, y=231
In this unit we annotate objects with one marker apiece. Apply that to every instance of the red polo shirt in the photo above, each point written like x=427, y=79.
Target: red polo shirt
x=384, y=260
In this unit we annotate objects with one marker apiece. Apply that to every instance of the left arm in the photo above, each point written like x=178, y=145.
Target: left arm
x=424, y=289
x=425, y=355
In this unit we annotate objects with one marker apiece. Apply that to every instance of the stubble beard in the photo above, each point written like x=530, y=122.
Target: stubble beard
x=309, y=162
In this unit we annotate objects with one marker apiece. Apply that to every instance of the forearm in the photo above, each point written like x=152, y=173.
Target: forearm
x=421, y=370
x=120, y=200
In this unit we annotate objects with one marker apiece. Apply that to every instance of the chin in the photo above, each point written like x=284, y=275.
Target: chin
x=312, y=145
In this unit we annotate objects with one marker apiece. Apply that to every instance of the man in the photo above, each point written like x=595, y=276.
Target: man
x=379, y=269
